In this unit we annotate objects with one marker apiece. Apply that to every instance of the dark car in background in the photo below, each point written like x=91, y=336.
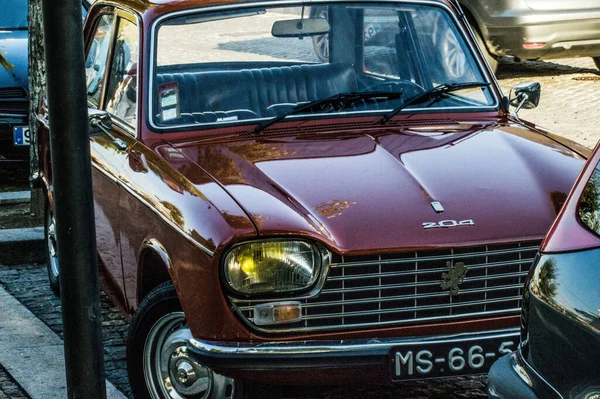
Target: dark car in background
x=559, y=355
x=522, y=29
x=14, y=84
x=14, y=103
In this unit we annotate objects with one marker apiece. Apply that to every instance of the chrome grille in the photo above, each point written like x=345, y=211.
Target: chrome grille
x=12, y=92
x=405, y=289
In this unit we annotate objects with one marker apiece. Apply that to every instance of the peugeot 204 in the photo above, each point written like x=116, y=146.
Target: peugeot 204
x=267, y=217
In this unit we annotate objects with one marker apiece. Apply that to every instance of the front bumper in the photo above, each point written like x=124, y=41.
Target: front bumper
x=505, y=382
x=319, y=362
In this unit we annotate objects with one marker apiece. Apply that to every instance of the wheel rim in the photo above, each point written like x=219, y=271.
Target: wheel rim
x=321, y=43
x=453, y=54
x=169, y=371
x=52, y=246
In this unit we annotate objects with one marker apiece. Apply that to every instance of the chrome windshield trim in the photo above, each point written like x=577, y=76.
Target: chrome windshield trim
x=475, y=53
x=328, y=348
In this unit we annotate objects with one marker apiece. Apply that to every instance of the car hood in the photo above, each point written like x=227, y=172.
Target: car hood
x=372, y=189
x=13, y=45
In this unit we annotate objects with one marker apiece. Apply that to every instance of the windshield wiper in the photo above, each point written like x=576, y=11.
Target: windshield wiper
x=433, y=94
x=343, y=99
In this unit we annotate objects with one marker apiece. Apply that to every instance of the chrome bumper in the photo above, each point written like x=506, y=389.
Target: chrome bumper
x=236, y=356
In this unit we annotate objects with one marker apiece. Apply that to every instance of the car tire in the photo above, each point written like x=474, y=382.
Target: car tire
x=492, y=60
x=597, y=61
x=51, y=250
x=153, y=338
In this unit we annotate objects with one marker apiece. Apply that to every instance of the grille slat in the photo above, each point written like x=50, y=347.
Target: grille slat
x=406, y=289
x=426, y=271
x=408, y=310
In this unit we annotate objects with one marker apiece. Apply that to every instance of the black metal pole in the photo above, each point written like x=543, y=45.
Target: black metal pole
x=73, y=200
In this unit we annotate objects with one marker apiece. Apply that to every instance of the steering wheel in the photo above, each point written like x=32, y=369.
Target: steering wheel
x=405, y=86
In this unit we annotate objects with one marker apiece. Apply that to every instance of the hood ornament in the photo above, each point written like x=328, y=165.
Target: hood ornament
x=455, y=276
x=437, y=206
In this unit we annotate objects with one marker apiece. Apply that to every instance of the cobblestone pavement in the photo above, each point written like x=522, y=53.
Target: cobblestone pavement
x=29, y=285
x=9, y=388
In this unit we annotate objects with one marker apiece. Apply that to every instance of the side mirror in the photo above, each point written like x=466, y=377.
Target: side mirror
x=525, y=95
x=100, y=122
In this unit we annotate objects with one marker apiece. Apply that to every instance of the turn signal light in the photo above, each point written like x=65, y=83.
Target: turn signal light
x=533, y=46
x=277, y=313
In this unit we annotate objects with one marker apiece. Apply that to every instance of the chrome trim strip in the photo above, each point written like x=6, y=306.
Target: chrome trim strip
x=411, y=310
x=281, y=3
x=424, y=271
x=385, y=324
x=422, y=284
x=134, y=194
x=105, y=173
x=440, y=257
x=330, y=348
x=402, y=297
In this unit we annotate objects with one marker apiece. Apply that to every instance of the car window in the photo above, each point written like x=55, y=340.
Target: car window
x=121, y=95
x=14, y=14
x=261, y=63
x=381, y=27
x=95, y=63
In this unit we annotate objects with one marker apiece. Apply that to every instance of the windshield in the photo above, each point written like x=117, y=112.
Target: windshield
x=255, y=64
x=14, y=14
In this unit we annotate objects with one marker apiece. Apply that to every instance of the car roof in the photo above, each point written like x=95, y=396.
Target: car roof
x=159, y=7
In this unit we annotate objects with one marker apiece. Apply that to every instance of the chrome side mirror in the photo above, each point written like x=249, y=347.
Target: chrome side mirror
x=525, y=95
x=100, y=122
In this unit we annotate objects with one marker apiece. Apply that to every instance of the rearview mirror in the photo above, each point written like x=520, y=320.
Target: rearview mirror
x=525, y=95
x=300, y=27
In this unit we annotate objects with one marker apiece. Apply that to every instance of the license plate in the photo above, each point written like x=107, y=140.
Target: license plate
x=449, y=358
x=21, y=136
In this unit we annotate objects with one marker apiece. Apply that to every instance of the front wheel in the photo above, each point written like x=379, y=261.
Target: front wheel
x=52, y=250
x=158, y=362
x=597, y=61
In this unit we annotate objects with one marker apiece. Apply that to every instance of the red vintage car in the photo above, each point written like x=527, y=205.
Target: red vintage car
x=270, y=218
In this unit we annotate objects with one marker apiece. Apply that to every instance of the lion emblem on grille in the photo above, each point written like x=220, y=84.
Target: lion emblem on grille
x=455, y=276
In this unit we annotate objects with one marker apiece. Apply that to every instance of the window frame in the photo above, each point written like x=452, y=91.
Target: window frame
x=117, y=12
x=152, y=46
x=120, y=15
x=108, y=55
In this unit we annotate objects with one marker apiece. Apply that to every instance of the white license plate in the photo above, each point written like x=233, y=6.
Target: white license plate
x=449, y=358
x=21, y=136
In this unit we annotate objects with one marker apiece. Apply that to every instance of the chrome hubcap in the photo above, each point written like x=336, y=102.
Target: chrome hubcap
x=52, y=246
x=169, y=371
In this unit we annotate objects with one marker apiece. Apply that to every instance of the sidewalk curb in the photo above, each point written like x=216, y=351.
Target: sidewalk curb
x=33, y=354
x=19, y=246
x=15, y=197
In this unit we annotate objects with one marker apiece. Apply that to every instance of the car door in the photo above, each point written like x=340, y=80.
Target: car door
x=111, y=82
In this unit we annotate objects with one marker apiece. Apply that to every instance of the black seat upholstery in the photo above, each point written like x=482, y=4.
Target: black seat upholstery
x=256, y=90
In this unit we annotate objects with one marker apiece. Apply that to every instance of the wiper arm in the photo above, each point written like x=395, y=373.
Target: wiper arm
x=433, y=94
x=343, y=99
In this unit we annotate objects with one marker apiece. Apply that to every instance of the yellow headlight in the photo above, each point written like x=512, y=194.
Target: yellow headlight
x=272, y=266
